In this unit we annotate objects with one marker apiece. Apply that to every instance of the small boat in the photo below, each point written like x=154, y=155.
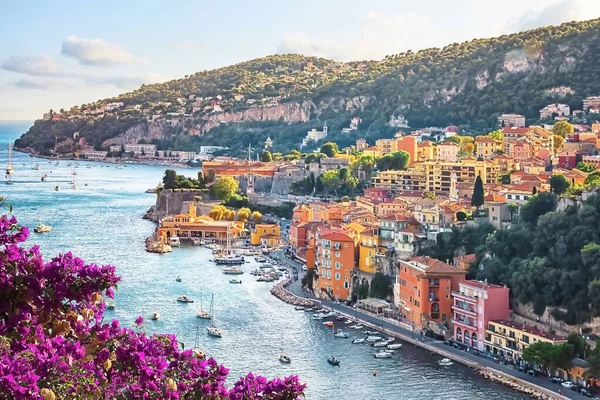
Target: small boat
x=155, y=316
x=358, y=340
x=373, y=339
x=174, y=241
x=348, y=321
x=339, y=317
x=341, y=334
x=184, y=299
x=329, y=314
x=370, y=332
x=57, y=188
x=358, y=326
x=445, y=362
x=394, y=346
x=328, y=323
x=309, y=309
x=333, y=361
x=41, y=228
x=109, y=305
x=44, y=177
x=235, y=281
x=382, y=354
x=178, y=278
x=317, y=316
x=214, y=331
x=235, y=270
x=229, y=260
x=203, y=314
x=381, y=343
x=284, y=358
x=37, y=167
x=299, y=308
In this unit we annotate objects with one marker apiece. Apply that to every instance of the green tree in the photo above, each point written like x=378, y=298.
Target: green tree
x=537, y=206
x=593, y=179
x=381, y=286
x=496, y=135
x=563, y=128
x=225, y=187
x=243, y=214
x=478, y=195
x=429, y=195
x=461, y=216
x=170, y=179
x=331, y=180
x=539, y=353
x=559, y=184
x=277, y=157
x=586, y=167
x=266, y=156
x=559, y=142
x=256, y=217
x=218, y=212
x=330, y=149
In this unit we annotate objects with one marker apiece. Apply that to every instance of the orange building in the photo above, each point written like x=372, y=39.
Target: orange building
x=302, y=213
x=424, y=288
x=409, y=145
x=335, y=263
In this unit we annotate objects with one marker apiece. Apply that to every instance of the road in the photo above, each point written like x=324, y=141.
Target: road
x=385, y=325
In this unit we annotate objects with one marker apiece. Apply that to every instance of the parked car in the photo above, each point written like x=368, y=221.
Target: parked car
x=568, y=385
x=533, y=372
x=521, y=368
x=556, y=379
x=586, y=392
x=304, y=268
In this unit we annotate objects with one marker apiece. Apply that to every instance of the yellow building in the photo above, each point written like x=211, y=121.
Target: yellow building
x=264, y=230
x=426, y=151
x=509, y=339
x=436, y=176
x=386, y=146
x=368, y=249
x=486, y=147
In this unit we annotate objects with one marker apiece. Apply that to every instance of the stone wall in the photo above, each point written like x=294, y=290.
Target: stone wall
x=170, y=202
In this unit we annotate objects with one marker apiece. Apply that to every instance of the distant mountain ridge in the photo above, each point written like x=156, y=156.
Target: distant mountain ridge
x=281, y=96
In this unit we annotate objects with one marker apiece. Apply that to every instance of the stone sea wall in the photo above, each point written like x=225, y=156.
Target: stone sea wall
x=170, y=201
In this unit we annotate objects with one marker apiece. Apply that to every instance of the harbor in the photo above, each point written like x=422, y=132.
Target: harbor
x=102, y=223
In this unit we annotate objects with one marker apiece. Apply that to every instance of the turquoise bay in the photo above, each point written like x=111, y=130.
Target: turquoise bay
x=102, y=223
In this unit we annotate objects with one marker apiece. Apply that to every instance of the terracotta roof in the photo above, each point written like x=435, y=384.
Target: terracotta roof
x=529, y=329
x=395, y=217
x=515, y=130
x=479, y=284
x=486, y=139
x=448, y=144
x=494, y=197
x=467, y=258
x=337, y=236
x=431, y=265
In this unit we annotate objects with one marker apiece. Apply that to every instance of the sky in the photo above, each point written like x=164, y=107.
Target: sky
x=56, y=54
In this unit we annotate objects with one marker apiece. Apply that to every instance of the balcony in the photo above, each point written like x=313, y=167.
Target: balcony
x=465, y=322
x=464, y=309
x=465, y=297
x=434, y=283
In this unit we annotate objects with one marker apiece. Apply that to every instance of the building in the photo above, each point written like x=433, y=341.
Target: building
x=386, y=146
x=190, y=226
x=95, y=155
x=487, y=147
x=314, y=135
x=448, y=151
x=511, y=134
x=508, y=339
x=402, y=233
x=140, y=149
x=368, y=250
x=551, y=109
x=464, y=262
x=361, y=144
x=520, y=150
x=475, y=304
x=335, y=264
x=263, y=230
x=591, y=102
x=409, y=145
x=424, y=288
x=211, y=149
x=567, y=159
x=499, y=213
x=514, y=120
x=426, y=151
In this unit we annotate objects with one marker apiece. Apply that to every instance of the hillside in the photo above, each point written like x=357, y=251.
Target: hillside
x=282, y=96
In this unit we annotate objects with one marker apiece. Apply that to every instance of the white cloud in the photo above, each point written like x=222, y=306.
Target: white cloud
x=41, y=65
x=556, y=14
x=128, y=82
x=96, y=52
x=40, y=84
x=379, y=36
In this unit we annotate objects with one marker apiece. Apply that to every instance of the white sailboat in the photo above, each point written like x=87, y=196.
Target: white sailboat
x=211, y=328
x=9, y=168
x=203, y=314
x=198, y=351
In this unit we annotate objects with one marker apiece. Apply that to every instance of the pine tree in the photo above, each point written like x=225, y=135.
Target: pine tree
x=477, y=198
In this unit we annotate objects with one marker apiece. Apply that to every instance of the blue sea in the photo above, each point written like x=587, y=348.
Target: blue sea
x=102, y=223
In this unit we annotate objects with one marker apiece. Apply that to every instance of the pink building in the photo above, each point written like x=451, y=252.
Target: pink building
x=476, y=303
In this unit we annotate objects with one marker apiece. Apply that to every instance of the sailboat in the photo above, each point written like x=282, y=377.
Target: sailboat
x=211, y=328
x=197, y=350
x=229, y=258
x=203, y=314
x=9, y=169
x=284, y=358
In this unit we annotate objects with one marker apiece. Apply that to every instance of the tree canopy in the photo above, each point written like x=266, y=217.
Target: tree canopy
x=225, y=187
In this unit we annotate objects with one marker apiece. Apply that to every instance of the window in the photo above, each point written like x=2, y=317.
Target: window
x=337, y=265
x=346, y=285
x=337, y=253
x=337, y=276
x=329, y=274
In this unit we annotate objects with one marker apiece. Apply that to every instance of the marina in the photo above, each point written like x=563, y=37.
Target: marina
x=251, y=319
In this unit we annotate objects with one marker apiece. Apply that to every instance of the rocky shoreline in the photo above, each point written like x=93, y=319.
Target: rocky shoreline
x=515, y=385
x=282, y=294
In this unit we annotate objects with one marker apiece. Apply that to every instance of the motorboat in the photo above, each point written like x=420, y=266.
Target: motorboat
x=235, y=270
x=381, y=343
x=328, y=323
x=329, y=314
x=371, y=333
x=358, y=340
x=174, y=241
x=260, y=259
x=155, y=316
x=382, y=354
x=184, y=299
x=109, y=305
x=445, y=362
x=230, y=260
x=41, y=228
x=394, y=346
x=309, y=309
x=299, y=308
x=317, y=316
x=214, y=331
x=284, y=358
x=373, y=339
x=178, y=278
x=348, y=321
x=235, y=281
x=341, y=334
x=57, y=188
x=44, y=177
x=339, y=317
x=333, y=361
x=358, y=326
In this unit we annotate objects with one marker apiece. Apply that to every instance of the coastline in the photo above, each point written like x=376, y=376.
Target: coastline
x=133, y=161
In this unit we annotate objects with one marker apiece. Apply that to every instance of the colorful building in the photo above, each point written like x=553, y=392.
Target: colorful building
x=567, y=159
x=448, y=151
x=508, y=339
x=475, y=304
x=263, y=230
x=335, y=263
x=487, y=147
x=368, y=249
x=464, y=262
x=424, y=288
x=409, y=145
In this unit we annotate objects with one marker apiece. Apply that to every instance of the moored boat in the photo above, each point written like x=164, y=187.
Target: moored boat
x=235, y=281
x=235, y=270
x=445, y=362
x=299, y=308
x=382, y=354
x=333, y=361
x=373, y=338
x=358, y=340
x=328, y=323
x=284, y=358
x=394, y=346
x=341, y=334
x=41, y=228
x=184, y=299
x=155, y=316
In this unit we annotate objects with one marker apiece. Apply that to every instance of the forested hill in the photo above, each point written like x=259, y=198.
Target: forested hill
x=467, y=84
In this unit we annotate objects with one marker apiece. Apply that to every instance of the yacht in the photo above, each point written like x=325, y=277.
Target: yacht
x=9, y=168
x=203, y=314
x=212, y=329
x=372, y=339
x=184, y=299
x=394, y=346
x=381, y=343
x=358, y=340
x=230, y=260
x=174, y=241
x=41, y=228
x=235, y=270
x=382, y=354
x=155, y=316
x=197, y=350
x=284, y=358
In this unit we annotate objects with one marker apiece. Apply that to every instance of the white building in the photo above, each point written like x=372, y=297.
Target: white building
x=448, y=151
x=140, y=149
x=115, y=149
x=113, y=106
x=95, y=155
x=514, y=120
x=560, y=109
x=314, y=135
x=210, y=149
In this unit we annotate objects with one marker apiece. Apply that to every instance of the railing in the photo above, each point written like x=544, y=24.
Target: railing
x=466, y=308
x=465, y=322
x=457, y=293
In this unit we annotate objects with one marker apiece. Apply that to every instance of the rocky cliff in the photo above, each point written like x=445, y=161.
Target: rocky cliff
x=170, y=202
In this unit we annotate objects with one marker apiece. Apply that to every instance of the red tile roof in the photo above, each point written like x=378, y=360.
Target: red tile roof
x=515, y=130
x=494, y=197
x=337, y=236
x=467, y=258
x=479, y=284
x=434, y=266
